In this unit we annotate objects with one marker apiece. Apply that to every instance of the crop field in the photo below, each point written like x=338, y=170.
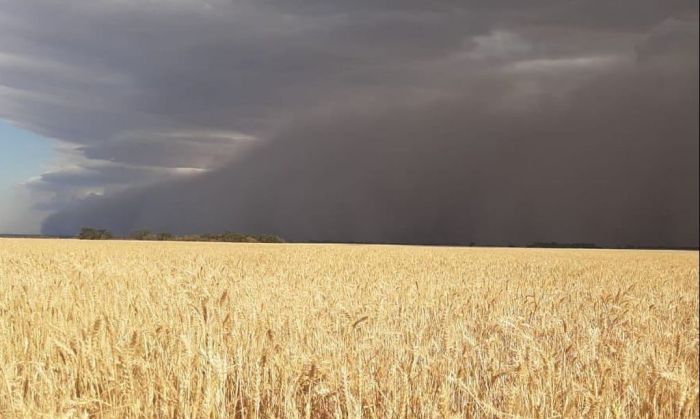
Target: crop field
x=143, y=329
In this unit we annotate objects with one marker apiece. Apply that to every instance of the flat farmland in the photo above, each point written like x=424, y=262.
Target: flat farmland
x=174, y=329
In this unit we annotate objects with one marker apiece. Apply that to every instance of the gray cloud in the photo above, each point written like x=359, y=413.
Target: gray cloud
x=430, y=121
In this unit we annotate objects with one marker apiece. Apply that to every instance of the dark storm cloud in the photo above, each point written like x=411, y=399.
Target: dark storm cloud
x=411, y=121
x=452, y=172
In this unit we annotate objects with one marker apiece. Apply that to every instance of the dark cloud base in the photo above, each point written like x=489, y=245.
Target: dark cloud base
x=432, y=121
x=615, y=165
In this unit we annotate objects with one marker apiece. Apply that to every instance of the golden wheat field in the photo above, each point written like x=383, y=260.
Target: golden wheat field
x=144, y=329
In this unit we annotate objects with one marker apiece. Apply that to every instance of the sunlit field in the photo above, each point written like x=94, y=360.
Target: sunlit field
x=126, y=329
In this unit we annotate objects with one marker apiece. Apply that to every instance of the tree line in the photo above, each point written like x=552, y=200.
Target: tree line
x=88, y=233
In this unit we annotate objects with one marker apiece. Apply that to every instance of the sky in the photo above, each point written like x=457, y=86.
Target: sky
x=24, y=155
x=432, y=121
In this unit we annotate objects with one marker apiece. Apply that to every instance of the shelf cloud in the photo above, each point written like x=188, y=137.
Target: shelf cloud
x=384, y=121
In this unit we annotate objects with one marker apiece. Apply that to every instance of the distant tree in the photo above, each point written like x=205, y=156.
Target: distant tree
x=88, y=233
x=565, y=245
x=268, y=238
x=105, y=235
x=192, y=238
x=165, y=236
x=233, y=237
x=140, y=235
x=208, y=237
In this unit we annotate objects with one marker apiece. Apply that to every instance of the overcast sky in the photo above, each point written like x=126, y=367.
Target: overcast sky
x=432, y=121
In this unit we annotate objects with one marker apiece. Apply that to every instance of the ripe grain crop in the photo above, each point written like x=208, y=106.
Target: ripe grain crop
x=143, y=329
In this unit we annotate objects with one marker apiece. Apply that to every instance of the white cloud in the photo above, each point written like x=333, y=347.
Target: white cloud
x=563, y=65
x=499, y=45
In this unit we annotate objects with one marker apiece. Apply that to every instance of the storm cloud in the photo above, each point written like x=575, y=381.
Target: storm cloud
x=411, y=122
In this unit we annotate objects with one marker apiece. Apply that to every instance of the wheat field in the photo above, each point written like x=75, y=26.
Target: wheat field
x=154, y=329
